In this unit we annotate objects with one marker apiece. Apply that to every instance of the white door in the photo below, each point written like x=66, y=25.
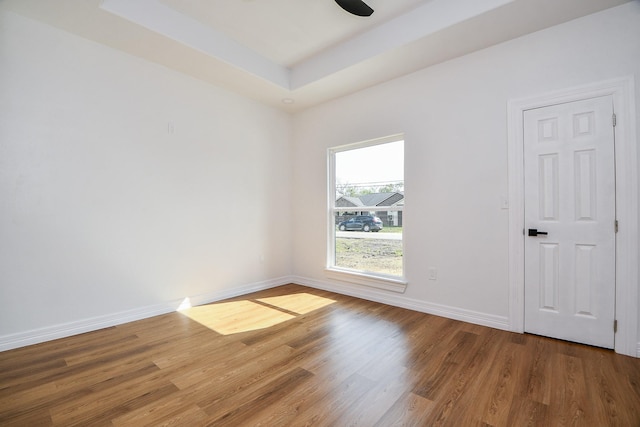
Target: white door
x=570, y=195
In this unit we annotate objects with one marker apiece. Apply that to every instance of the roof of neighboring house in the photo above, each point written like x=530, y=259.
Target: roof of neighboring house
x=373, y=199
x=353, y=200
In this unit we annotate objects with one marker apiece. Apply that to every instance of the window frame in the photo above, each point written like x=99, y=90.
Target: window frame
x=377, y=280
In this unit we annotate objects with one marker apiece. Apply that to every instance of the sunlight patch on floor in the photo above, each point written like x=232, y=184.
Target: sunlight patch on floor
x=249, y=315
x=298, y=303
x=237, y=316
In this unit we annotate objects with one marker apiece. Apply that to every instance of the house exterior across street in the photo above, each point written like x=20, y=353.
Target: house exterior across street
x=390, y=218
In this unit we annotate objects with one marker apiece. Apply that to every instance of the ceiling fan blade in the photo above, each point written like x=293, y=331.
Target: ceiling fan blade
x=356, y=7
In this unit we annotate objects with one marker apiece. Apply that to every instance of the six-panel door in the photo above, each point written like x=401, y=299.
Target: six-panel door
x=570, y=195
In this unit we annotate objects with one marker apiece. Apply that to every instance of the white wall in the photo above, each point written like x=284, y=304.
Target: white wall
x=102, y=210
x=454, y=116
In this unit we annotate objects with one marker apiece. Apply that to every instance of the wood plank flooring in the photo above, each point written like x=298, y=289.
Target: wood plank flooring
x=300, y=357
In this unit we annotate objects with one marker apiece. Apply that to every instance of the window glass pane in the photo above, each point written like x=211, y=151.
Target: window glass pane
x=369, y=187
x=373, y=251
x=379, y=168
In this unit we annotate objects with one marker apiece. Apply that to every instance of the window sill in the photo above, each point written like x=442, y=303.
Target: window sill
x=374, y=281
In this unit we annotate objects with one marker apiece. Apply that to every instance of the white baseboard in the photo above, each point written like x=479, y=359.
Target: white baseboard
x=48, y=333
x=638, y=350
x=394, y=299
x=239, y=290
x=35, y=336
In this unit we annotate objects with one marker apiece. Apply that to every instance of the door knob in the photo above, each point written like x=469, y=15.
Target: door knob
x=534, y=232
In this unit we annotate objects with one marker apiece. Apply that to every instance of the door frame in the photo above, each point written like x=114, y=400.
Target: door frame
x=626, y=165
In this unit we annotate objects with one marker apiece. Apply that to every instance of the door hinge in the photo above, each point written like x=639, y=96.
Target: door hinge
x=615, y=326
x=614, y=119
x=616, y=226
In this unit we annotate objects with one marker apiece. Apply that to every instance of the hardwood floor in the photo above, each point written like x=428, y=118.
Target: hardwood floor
x=299, y=356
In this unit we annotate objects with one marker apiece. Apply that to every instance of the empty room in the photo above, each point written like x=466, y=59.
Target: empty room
x=203, y=217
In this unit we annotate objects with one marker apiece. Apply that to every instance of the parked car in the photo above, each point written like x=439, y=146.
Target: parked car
x=361, y=223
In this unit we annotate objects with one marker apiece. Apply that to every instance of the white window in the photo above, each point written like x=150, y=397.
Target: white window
x=366, y=208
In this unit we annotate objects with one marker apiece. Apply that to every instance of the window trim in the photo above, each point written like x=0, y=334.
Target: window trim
x=366, y=278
